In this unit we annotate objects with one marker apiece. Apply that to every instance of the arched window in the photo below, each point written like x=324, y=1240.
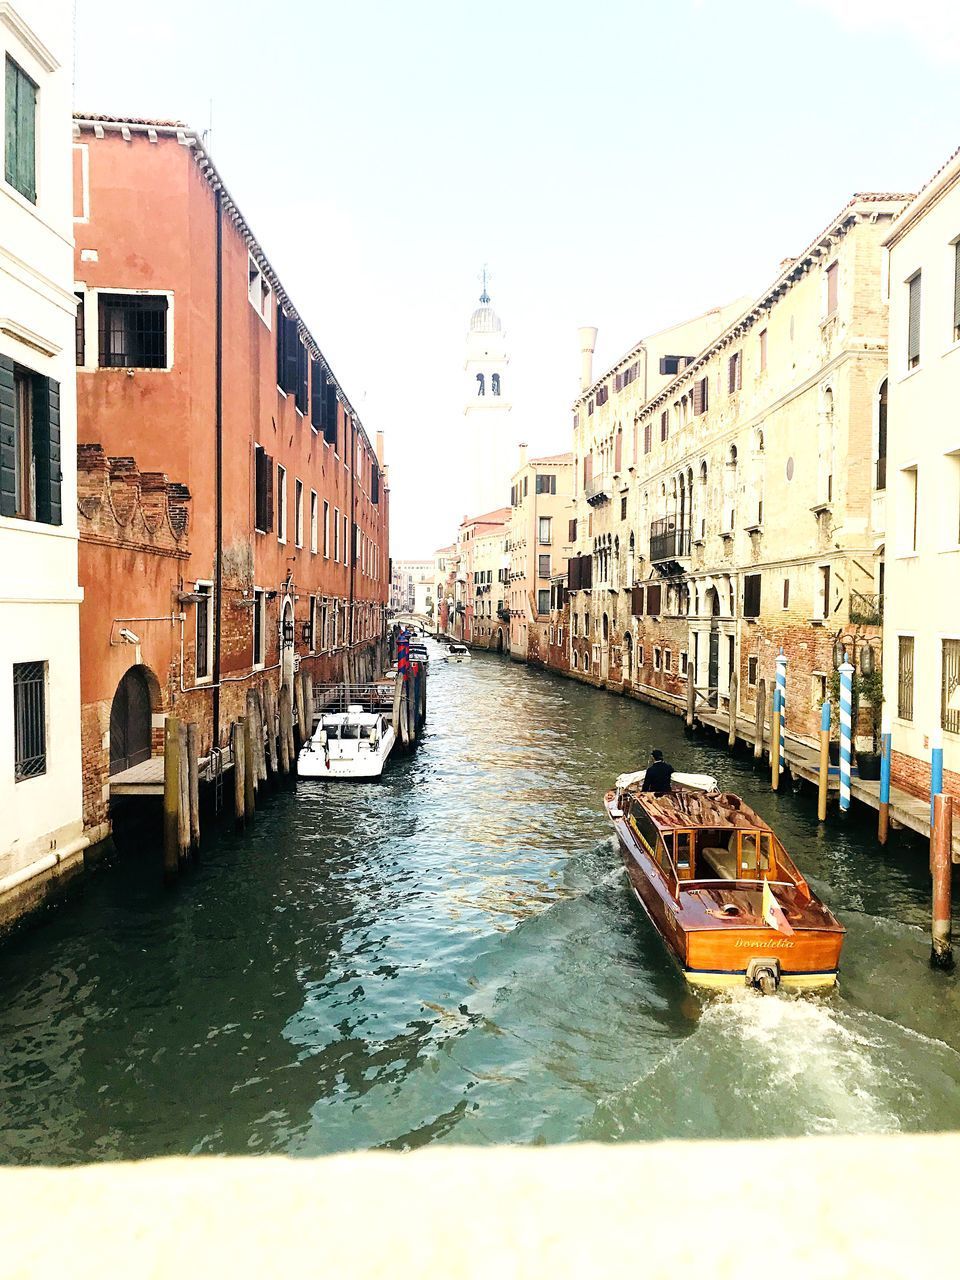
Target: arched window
x=882, y=436
x=730, y=489
x=495, y=384
x=631, y=561
x=827, y=447
x=702, y=503
x=616, y=558
x=627, y=657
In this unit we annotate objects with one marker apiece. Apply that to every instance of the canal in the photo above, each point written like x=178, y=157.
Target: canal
x=451, y=955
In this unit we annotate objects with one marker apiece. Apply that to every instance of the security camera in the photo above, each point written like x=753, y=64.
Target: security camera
x=130, y=636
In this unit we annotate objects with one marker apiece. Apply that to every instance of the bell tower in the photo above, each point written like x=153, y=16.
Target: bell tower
x=490, y=446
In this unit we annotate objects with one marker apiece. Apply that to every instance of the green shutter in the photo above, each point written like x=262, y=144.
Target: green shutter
x=8, y=440
x=20, y=115
x=46, y=448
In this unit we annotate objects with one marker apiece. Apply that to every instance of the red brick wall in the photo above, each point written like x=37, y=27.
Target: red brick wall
x=913, y=775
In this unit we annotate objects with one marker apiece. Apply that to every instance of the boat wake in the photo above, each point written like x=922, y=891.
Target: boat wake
x=786, y=1066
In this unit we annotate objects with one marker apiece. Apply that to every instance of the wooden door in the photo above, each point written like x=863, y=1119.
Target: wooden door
x=130, y=719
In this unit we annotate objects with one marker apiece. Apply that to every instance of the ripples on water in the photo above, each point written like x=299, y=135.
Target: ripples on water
x=451, y=955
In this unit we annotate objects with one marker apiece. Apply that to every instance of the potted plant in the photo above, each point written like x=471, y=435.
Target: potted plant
x=870, y=687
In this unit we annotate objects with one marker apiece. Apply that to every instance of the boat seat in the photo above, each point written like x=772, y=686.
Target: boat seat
x=722, y=862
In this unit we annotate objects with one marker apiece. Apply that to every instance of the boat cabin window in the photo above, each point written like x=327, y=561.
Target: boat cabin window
x=350, y=731
x=727, y=854
x=332, y=731
x=368, y=731
x=684, y=853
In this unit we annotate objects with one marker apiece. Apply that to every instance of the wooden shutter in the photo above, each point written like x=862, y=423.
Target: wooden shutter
x=330, y=414
x=831, y=289
x=664, y=425
x=751, y=595
x=636, y=607
x=303, y=367
x=317, y=380
x=618, y=452
x=8, y=440
x=647, y=437
x=21, y=127
x=46, y=448
x=653, y=600
x=291, y=356
x=572, y=531
x=913, y=332
x=956, y=291
x=269, y=486
x=697, y=399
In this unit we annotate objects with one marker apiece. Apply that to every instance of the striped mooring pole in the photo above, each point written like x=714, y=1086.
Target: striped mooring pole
x=782, y=705
x=846, y=732
x=883, y=824
x=823, y=772
x=936, y=768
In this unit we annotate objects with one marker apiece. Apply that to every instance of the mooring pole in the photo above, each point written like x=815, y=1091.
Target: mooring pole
x=760, y=714
x=193, y=777
x=883, y=821
x=691, y=695
x=936, y=767
x=846, y=732
x=941, y=950
x=236, y=743
x=824, y=773
x=782, y=688
x=775, y=742
x=171, y=798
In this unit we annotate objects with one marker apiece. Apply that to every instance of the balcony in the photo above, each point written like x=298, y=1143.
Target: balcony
x=866, y=608
x=503, y=614
x=597, y=490
x=667, y=542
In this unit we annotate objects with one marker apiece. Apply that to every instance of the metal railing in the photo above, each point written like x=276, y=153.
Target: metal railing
x=866, y=608
x=667, y=542
x=597, y=489
x=337, y=697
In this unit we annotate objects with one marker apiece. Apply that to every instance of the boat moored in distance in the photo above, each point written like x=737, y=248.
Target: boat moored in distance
x=720, y=888
x=456, y=653
x=347, y=744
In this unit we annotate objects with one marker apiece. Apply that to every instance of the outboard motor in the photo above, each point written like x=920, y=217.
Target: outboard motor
x=764, y=975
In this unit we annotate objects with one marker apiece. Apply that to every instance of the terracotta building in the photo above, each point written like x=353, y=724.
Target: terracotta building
x=233, y=510
x=479, y=581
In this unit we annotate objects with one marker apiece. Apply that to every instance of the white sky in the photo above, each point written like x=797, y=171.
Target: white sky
x=623, y=164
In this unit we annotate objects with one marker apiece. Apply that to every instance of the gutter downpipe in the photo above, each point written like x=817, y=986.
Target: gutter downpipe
x=219, y=497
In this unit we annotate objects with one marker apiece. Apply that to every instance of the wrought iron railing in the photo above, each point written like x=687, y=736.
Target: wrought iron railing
x=597, y=489
x=667, y=542
x=866, y=608
x=337, y=697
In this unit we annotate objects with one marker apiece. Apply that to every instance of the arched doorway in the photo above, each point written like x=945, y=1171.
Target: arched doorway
x=130, y=722
x=605, y=647
x=499, y=639
x=713, y=668
x=287, y=644
x=627, y=658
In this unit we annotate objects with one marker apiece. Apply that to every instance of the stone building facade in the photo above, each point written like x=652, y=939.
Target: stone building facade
x=732, y=514
x=539, y=542
x=480, y=579
x=921, y=623
x=192, y=363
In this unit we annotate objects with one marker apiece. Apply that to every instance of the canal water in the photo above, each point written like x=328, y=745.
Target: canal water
x=451, y=955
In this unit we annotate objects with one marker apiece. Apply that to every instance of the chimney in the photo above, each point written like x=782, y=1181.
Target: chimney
x=523, y=455
x=380, y=449
x=588, y=341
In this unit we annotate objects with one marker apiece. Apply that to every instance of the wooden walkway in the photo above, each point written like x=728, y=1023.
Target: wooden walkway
x=146, y=778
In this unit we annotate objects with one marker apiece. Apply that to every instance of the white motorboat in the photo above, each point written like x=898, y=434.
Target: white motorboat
x=347, y=744
x=418, y=653
x=456, y=653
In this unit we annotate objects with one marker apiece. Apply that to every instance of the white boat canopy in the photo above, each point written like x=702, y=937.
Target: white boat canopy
x=693, y=781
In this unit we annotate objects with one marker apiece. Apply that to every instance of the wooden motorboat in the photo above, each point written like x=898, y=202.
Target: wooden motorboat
x=720, y=888
x=456, y=653
x=347, y=744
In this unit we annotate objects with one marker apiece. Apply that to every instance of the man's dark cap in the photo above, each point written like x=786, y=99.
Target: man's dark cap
x=657, y=755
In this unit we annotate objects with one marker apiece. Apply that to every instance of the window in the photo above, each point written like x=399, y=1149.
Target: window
x=259, y=626
x=623, y=507
x=639, y=655
x=311, y=628
x=546, y=484
x=667, y=659
x=326, y=529
x=281, y=503
x=881, y=477
x=823, y=602
x=682, y=668
x=543, y=531
x=908, y=522
x=763, y=350
x=526, y=485
x=664, y=425
x=671, y=365
x=572, y=531
x=29, y=444
x=786, y=593
x=20, y=129
x=29, y=720
x=303, y=373
x=263, y=482
x=751, y=595
x=735, y=372
x=905, y=678
x=832, y=275
x=204, y=632
x=298, y=512
x=656, y=658
x=913, y=322
x=259, y=291
x=701, y=396
x=654, y=599
x=288, y=353
x=950, y=686
x=344, y=543
x=133, y=330
x=336, y=533
x=753, y=664
x=543, y=601
x=79, y=332
x=956, y=292
x=314, y=521
x=543, y=567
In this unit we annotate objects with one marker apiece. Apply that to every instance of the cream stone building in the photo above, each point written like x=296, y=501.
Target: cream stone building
x=480, y=577
x=921, y=623
x=539, y=543
x=41, y=828
x=735, y=513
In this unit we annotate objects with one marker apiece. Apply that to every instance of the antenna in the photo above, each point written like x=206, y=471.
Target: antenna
x=206, y=136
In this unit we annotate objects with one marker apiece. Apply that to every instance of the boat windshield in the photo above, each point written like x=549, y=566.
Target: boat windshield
x=350, y=731
x=368, y=731
x=332, y=731
x=724, y=854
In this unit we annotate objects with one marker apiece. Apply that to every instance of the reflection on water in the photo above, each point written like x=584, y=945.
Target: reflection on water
x=451, y=955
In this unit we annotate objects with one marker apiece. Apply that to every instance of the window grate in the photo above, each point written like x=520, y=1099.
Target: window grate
x=81, y=346
x=905, y=679
x=950, y=682
x=30, y=721
x=133, y=331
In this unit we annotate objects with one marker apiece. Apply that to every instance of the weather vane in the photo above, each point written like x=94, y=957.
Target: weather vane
x=485, y=278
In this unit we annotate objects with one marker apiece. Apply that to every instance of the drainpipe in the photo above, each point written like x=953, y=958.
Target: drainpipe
x=218, y=589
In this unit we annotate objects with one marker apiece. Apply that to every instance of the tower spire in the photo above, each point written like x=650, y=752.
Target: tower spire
x=484, y=277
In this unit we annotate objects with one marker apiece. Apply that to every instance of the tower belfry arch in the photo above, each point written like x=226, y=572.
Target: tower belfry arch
x=489, y=452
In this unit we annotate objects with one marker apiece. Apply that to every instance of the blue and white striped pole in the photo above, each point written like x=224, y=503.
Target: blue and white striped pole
x=782, y=704
x=936, y=768
x=846, y=732
x=886, y=746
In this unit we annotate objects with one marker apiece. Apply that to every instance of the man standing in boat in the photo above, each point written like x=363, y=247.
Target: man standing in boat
x=658, y=774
